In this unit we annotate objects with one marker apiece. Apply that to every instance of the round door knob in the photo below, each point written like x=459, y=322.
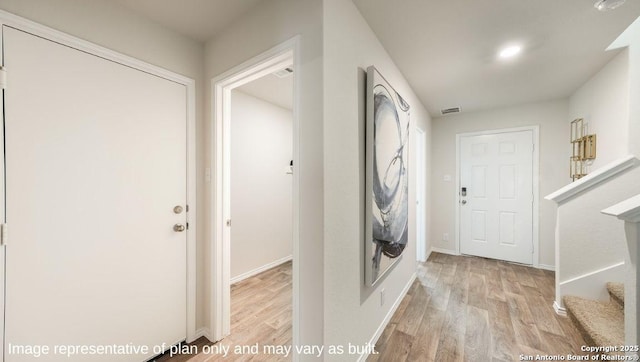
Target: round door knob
x=463, y=202
x=178, y=228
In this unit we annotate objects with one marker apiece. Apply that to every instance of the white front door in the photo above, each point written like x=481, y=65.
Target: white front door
x=496, y=196
x=95, y=164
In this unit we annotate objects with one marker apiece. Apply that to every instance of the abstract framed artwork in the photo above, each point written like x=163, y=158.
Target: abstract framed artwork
x=387, y=187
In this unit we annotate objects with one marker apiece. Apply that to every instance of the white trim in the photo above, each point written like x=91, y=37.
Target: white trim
x=192, y=177
x=19, y=23
x=590, y=274
x=559, y=310
x=220, y=299
x=443, y=251
x=203, y=332
x=535, y=233
x=591, y=180
x=592, y=285
x=389, y=315
x=3, y=219
x=261, y=269
x=628, y=210
x=420, y=193
x=547, y=267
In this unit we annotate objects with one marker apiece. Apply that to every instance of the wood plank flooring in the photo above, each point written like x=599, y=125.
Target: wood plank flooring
x=260, y=313
x=459, y=309
x=474, y=309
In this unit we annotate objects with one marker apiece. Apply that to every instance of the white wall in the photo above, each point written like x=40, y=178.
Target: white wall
x=630, y=39
x=352, y=311
x=261, y=190
x=588, y=240
x=110, y=25
x=603, y=103
x=554, y=163
x=265, y=26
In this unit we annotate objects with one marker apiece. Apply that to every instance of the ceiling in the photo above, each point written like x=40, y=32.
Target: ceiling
x=447, y=50
x=197, y=19
x=275, y=90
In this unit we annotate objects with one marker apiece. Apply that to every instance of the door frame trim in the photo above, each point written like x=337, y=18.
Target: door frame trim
x=535, y=129
x=74, y=42
x=219, y=267
x=422, y=251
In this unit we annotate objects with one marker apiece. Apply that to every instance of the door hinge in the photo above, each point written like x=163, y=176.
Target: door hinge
x=4, y=236
x=3, y=78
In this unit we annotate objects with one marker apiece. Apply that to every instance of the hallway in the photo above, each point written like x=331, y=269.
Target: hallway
x=476, y=309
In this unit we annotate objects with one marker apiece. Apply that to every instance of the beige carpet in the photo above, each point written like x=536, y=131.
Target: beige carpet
x=600, y=323
x=616, y=292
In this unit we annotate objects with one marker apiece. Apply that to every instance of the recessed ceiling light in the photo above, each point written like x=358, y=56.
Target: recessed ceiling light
x=510, y=52
x=604, y=5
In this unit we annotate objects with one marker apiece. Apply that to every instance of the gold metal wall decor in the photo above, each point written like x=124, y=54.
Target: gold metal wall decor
x=583, y=149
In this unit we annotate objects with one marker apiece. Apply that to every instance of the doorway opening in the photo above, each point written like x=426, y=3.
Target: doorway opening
x=255, y=199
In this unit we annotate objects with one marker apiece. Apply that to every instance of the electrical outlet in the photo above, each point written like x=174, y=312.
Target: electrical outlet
x=445, y=237
x=382, y=295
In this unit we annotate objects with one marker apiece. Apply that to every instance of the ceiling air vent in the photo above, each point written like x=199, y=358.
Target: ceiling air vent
x=446, y=111
x=283, y=73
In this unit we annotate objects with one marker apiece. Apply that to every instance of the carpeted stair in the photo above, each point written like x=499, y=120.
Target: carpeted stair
x=616, y=293
x=600, y=323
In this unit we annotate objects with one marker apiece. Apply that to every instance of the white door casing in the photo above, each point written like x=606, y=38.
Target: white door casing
x=421, y=232
x=497, y=213
x=97, y=157
x=271, y=60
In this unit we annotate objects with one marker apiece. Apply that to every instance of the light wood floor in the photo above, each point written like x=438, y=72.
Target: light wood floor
x=474, y=309
x=459, y=309
x=260, y=313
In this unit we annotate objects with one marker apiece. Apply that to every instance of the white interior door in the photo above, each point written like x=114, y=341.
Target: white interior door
x=496, y=214
x=95, y=163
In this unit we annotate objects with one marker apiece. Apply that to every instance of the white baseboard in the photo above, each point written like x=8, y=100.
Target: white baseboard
x=444, y=251
x=387, y=318
x=559, y=310
x=547, y=267
x=593, y=285
x=259, y=270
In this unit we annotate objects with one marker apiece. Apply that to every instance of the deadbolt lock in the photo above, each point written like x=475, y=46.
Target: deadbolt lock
x=178, y=209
